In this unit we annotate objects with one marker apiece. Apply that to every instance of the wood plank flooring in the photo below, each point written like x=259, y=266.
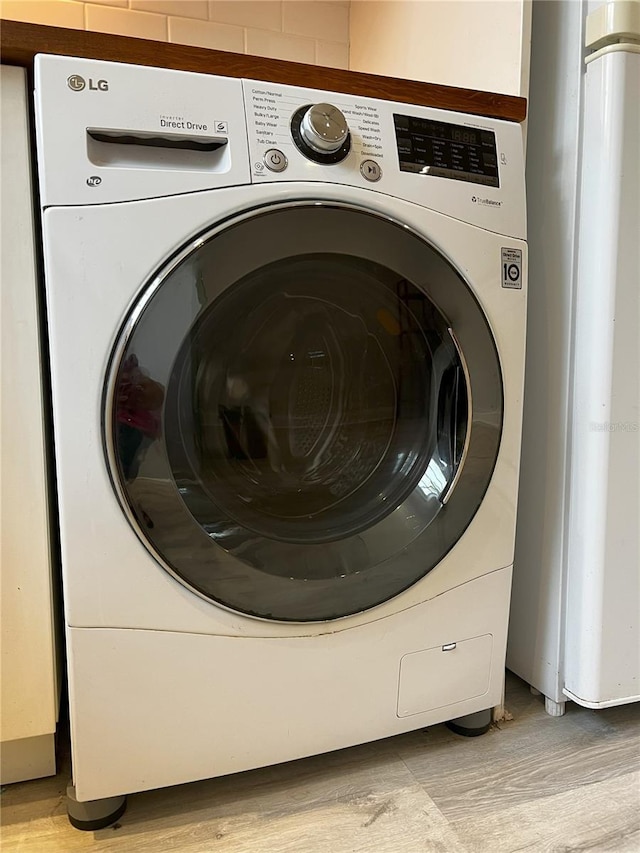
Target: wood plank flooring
x=534, y=783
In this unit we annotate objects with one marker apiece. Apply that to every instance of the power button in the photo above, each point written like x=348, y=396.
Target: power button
x=275, y=160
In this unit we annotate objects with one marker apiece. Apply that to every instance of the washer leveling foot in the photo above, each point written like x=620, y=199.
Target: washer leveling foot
x=93, y=814
x=471, y=725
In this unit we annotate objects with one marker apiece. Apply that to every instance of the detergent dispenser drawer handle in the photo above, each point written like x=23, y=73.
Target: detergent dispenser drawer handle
x=184, y=142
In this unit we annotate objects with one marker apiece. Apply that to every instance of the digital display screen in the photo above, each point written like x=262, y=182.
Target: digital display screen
x=428, y=147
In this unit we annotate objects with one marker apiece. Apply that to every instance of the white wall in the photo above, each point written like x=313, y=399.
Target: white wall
x=311, y=31
x=477, y=44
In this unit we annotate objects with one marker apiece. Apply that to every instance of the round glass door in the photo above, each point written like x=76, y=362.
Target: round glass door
x=304, y=412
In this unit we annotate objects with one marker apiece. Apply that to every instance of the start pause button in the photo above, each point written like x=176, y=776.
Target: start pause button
x=512, y=268
x=370, y=170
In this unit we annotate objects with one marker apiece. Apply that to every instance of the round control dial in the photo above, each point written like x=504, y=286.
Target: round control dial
x=321, y=133
x=324, y=128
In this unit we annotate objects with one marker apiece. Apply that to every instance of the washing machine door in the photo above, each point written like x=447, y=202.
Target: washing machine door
x=303, y=411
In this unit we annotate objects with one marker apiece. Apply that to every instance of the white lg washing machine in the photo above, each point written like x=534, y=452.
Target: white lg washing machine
x=287, y=345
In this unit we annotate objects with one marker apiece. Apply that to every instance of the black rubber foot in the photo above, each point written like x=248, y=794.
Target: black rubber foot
x=94, y=814
x=466, y=732
x=472, y=725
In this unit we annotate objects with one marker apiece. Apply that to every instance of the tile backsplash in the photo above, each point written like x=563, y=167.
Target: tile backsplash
x=312, y=31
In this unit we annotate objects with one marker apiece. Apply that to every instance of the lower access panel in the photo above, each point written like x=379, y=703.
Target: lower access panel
x=157, y=708
x=444, y=675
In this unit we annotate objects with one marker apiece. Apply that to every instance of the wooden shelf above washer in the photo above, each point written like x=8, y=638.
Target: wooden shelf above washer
x=20, y=42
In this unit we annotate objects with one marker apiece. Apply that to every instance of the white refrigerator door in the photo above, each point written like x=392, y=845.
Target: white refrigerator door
x=602, y=652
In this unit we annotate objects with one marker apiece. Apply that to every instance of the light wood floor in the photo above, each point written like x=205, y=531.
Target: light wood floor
x=534, y=783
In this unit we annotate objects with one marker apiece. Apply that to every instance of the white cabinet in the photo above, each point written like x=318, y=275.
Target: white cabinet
x=29, y=688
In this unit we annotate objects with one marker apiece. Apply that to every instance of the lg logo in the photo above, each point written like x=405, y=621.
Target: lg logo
x=77, y=83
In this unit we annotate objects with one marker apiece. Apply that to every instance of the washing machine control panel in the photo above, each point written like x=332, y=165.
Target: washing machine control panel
x=466, y=166
x=132, y=133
